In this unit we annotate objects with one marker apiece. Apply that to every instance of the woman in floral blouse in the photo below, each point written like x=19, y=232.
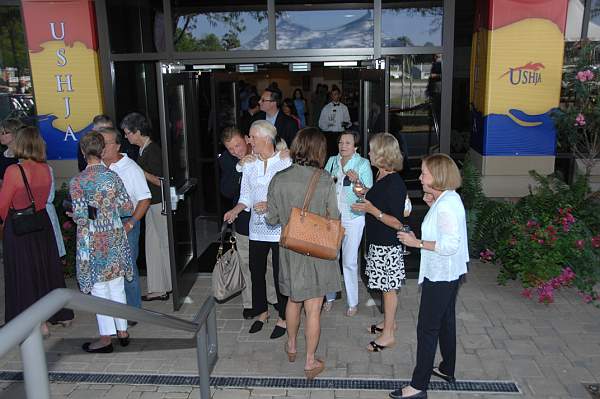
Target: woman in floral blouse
x=103, y=254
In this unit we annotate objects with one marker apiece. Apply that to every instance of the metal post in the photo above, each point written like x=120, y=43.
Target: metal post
x=203, y=366
x=35, y=370
x=211, y=327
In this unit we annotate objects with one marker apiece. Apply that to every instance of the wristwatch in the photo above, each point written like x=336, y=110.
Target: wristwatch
x=421, y=244
x=380, y=215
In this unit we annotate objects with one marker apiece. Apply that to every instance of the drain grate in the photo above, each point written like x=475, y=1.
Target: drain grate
x=268, y=382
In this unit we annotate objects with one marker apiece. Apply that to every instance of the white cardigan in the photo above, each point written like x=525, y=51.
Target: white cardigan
x=446, y=224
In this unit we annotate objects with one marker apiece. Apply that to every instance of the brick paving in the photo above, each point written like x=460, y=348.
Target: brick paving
x=549, y=351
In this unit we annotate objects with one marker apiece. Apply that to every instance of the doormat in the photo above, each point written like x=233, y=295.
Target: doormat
x=270, y=382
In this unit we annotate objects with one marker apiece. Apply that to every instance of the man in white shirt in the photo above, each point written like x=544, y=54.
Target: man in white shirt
x=135, y=183
x=334, y=119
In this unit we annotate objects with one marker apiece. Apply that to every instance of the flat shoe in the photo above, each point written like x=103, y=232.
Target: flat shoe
x=247, y=314
x=312, y=373
x=124, y=341
x=278, y=332
x=448, y=378
x=327, y=306
x=352, y=310
x=397, y=394
x=374, y=329
x=163, y=297
x=256, y=327
x=375, y=347
x=104, y=349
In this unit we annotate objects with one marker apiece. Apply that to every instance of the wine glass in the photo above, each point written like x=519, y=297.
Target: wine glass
x=405, y=229
x=359, y=189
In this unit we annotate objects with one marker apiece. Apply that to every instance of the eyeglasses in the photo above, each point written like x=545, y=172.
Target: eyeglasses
x=263, y=100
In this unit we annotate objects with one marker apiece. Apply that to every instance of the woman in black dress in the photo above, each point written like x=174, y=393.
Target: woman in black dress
x=384, y=208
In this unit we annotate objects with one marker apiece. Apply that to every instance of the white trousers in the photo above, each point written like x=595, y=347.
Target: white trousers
x=350, y=244
x=157, y=251
x=243, y=247
x=115, y=291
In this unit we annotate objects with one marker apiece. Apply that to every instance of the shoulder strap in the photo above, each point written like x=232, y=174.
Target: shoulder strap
x=311, y=189
x=29, y=194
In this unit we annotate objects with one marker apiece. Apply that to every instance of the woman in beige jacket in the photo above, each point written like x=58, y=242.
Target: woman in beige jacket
x=304, y=279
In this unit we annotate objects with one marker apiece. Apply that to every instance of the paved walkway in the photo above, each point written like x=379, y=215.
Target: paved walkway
x=549, y=351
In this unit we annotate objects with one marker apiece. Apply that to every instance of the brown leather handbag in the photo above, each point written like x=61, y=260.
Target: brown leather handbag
x=311, y=234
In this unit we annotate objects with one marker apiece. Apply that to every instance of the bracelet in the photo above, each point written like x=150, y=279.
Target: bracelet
x=421, y=244
x=380, y=215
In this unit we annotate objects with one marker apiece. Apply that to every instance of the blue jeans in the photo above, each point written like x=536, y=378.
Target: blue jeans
x=133, y=291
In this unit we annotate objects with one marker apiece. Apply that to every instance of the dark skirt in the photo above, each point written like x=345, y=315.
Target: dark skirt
x=32, y=269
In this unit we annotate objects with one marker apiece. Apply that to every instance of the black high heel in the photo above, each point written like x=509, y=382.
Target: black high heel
x=124, y=341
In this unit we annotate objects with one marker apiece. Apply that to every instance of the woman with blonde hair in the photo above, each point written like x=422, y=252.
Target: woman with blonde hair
x=384, y=209
x=27, y=184
x=444, y=257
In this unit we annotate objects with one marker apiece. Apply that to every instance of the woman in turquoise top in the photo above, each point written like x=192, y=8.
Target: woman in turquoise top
x=347, y=168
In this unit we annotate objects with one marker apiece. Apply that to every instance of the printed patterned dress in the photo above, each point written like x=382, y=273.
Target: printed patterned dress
x=103, y=252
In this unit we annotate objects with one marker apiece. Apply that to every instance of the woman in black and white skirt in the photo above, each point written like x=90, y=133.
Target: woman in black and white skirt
x=384, y=208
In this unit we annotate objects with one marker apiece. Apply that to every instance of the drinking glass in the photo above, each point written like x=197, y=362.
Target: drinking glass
x=405, y=229
x=359, y=189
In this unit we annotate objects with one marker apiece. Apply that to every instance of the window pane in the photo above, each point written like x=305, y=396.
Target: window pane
x=411, y=26
x=135, y=26
x=415, y=100
x=204, y=28
x=594, y=25
x=574, y=20
x=16, y=98
x=324, y=29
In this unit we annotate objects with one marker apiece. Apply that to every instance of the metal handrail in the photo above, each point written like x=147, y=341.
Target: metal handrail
x=24, y=330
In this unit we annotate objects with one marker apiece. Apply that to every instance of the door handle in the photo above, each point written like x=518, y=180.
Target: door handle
x=162, y=195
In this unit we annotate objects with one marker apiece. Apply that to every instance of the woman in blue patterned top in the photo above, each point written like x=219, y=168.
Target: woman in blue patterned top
x=103, y=255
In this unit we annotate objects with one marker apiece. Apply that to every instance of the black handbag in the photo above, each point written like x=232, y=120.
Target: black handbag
x=26, y=220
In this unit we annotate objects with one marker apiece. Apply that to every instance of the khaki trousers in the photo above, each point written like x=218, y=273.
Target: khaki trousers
x=157, y=251
x=243, y=247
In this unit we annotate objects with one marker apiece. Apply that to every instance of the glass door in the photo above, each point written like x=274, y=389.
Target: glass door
x=183, y=115
x=373, y=110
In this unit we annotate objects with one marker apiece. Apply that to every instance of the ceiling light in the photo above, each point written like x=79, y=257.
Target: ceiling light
x=246, y=68
x=207, y=67
x=299, y=66
x=340, y=63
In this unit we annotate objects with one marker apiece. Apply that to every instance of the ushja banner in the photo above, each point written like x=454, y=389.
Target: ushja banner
x=61, y=37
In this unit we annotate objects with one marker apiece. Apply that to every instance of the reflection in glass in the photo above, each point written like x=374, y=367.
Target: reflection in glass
x=324, y=29
x=574, y=20
x=16, y=99
x=220, y=31
x=411, y=26
x=415, y=100
x=594, y=25
x=135, y=26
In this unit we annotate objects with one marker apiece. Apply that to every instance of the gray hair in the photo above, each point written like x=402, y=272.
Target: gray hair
x=265, y=128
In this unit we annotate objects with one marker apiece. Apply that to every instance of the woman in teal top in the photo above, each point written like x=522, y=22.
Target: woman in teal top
x=347, y=168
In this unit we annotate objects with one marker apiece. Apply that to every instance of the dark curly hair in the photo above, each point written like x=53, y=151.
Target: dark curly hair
x=309, y=148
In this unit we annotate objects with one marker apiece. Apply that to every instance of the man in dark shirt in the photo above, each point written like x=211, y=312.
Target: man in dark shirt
x=231, y=179
x=270, y=104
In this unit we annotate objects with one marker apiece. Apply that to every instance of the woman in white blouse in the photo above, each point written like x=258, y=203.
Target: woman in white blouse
x=444, y=257
x=256, y=176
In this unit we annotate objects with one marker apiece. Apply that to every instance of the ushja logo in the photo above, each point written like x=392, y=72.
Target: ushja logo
x=528, y=74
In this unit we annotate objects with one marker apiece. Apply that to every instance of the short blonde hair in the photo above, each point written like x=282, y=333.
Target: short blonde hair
x=29, y=144
x=444, y=171
x=385, y=152
x=265, y=128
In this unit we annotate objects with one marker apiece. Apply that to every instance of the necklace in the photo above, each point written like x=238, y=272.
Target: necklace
x=145, y=145
x=382, y=173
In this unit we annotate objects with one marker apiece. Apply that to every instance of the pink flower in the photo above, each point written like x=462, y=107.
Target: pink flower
x=580, y=244
x=527, y=293
x=587, y=298
x=67, y=225
x=596, y=241
x=545, y=293
x=486, y=255
x=541, y=242
x=513, y=241
x=580, y=120
x=531, y=223
x=584, y=76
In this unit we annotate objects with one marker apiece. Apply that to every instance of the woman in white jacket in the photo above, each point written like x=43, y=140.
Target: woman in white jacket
x=444, y=257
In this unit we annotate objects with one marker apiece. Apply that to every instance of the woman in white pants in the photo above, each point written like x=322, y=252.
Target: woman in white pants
x=103, y=256
x=347, y=168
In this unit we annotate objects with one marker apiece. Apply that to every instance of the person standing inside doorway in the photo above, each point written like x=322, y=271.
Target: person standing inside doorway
x=270, y=104
x=137, y=130
x=334, y=119
x=137, y=188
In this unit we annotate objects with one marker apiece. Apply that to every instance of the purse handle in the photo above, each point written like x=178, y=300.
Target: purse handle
x=29, y=194
x=314, y=180
x=224, y=228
